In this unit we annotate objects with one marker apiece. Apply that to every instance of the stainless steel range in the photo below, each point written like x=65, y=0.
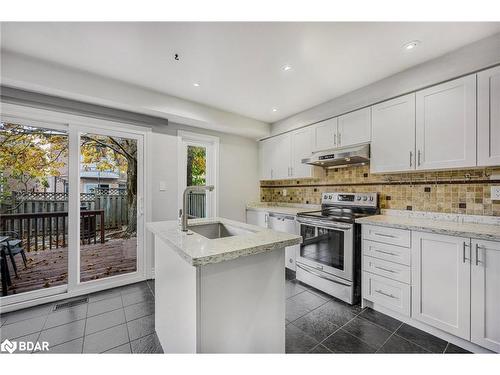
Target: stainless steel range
x=329, y=258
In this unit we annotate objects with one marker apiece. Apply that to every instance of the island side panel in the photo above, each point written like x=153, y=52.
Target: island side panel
x=243, y=305
x=175, y=300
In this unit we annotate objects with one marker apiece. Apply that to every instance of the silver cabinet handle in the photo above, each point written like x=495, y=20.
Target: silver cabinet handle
x=464, y=258
x=340, y=139
x=418, y=155
x=386, y=269
x=385, y=252
x=291, y=171
x=411, y=159
x=335, y=139
x=272, y=174
x=385, y=235
x=477, y=254
x=385, y=294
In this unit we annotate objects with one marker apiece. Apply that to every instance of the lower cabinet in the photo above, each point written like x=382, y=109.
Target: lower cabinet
x=441, y=282
x=259, y=218
x=485, y=294
x=454, y=282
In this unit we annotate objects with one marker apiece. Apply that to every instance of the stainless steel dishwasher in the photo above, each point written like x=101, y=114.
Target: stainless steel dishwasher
x=285, y=223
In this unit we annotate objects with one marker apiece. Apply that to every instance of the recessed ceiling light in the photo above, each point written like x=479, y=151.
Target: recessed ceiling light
x=286, y=68
x=275, y=109
x=411, y=45
x=196, y=84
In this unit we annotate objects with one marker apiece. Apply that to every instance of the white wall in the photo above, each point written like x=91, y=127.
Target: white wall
x=470, y=58
x=238, y=174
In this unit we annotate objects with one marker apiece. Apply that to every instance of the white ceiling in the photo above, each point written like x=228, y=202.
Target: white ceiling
x=239, y=65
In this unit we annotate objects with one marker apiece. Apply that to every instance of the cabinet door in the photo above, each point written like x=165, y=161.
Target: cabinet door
x=441, y=282
x=488, y=117
x=355, y=128
x=393, y=135
x=280, y=156
x=301, y=141
x=259, y=218
x=485, y=294
x=265, y=156
x=325, y=134
x=446, y=125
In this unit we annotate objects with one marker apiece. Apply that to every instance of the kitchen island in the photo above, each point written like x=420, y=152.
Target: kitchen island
x=220, y=287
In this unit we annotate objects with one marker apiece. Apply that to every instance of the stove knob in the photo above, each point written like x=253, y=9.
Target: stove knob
x=330, y=197
x=358, y=198
x=371, y=199
x=365, y=198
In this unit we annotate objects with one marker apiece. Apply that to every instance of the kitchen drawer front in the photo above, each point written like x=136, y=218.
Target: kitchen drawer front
x=392, y=236
x=392, y=253
x=386, y=292
x=384, y=268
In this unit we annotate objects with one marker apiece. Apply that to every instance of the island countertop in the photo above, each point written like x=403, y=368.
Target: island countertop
x=198, y=250
x=452, y=228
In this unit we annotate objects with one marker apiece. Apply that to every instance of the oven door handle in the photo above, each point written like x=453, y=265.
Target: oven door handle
x=321, y=224
x=310, y=270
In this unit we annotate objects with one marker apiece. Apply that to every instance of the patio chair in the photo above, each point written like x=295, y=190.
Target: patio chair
x=4, y=272
x=13, y=246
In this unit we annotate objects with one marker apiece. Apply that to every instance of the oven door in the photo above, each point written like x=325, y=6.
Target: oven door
x=327, y=247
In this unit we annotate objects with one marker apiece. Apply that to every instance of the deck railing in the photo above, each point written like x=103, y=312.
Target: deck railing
x=44, y=230
x=197, y=204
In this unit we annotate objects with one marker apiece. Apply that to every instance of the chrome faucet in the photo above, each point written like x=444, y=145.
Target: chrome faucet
x=184, y=215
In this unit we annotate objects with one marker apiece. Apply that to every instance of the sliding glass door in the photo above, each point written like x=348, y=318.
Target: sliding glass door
x=71, y=206
x=110, y=222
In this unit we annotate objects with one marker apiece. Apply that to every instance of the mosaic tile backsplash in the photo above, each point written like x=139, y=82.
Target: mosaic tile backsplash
x=458, y=191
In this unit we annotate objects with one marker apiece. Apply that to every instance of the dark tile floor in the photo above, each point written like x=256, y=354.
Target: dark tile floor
x=119, y=320
x=319, y=323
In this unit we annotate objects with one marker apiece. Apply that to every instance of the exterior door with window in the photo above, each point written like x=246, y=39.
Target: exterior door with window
x=198, y=160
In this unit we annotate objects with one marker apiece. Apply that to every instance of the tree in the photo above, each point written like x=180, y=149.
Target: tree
x=29, y=154
x=196, y=165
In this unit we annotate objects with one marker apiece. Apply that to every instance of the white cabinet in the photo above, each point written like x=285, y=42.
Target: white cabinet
x=354, y=128
x=325, y=134
x=301, y=143
x=441, y=282
x=287, y=224
x=446, y=125
x=259, y=218
x=485, y=294
x=488, y=117
x=393, y=135
x=281, y=156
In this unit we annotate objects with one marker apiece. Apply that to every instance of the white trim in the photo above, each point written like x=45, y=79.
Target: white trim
x=212, y=145
x=75, y=125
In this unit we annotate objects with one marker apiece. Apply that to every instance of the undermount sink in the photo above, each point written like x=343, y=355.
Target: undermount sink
x=218, y=230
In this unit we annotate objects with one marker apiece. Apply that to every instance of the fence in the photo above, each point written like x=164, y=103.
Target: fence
x=112, y=201
x=49, y=229
x=197, y=204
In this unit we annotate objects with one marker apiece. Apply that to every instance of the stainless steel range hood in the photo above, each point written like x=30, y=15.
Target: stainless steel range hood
x=340, y=156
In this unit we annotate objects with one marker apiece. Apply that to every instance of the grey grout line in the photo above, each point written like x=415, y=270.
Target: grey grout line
x=126, y=325
x=446, y=347
x=392, y=334
x=85, y=328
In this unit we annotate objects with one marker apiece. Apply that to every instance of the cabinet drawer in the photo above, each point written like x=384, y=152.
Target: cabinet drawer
x=388, y=252
x=384, y=268
x=386, y=292
x=392, y=236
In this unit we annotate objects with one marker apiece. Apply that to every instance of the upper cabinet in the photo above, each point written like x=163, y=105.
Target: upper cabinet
x=325, y=134
x=446, y=125
x=301, y=147
x=488, y=117
x=393, y=135
x=354, y=128
x=281, y=156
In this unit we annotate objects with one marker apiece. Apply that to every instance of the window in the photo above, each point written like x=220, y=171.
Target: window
x=198, y=166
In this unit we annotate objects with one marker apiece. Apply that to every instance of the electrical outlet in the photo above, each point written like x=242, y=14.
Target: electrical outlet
x=495, y=193
x=284, y=192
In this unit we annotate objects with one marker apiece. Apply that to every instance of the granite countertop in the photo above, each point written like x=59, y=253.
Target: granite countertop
x=199, y=250
x=282, y=208
x=453, y=228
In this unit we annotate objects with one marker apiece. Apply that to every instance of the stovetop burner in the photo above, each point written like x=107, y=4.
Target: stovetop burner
x=344, y=207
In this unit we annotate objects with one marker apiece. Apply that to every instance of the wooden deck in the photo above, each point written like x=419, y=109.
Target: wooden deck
x=50, y=267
